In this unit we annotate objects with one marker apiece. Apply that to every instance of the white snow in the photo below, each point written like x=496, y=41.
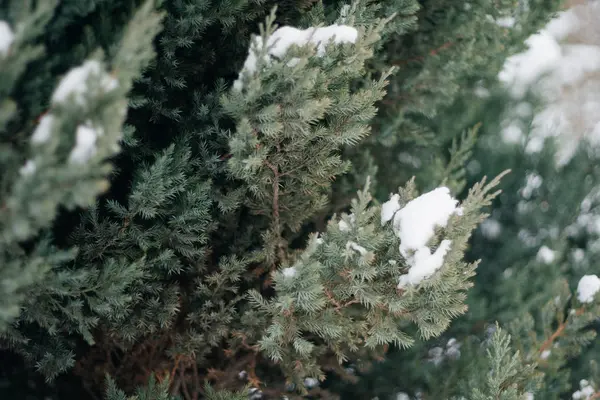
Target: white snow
x=6, y=37
x=545, y=354
x=289, y=272
x=453, y=349
x=561, y=64
x=523, y=69
x=75, y=83
x=284, y=37
x=587, y=288
x=402, y=396
x=506, y=22
x=345, y=226
x=529, y=396
x=564, y=23
x=85, y=146
x=29, y=168
x=389, y=208
x=436, y=355
x=578, y=255
x=545, y=255
x=512, y=133
x=356, y=247
x=415, y=225
x=43, y=130
x=311, y=382
x=585, y=391
x=424, y=264
x=532, y=182
x=490, y=228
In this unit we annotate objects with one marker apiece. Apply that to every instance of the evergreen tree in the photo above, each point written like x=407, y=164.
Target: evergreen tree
x=179, y=207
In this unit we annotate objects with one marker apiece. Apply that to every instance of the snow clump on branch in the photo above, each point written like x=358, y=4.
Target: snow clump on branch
x=587, y=288
x=286, y=36
x=415, y=225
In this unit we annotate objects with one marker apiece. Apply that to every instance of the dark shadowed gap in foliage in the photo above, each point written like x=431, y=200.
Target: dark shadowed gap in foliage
x=19, y=382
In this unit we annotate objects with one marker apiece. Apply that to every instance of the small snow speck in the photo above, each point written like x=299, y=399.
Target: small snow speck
x=545, y=354
x=345, y=226
x=43, y=130
x=356, y=247
x=6, y=37
x=28, y=169
x=512, y=133
x=532, y=182
x=578, y=255
x=545, y=255
x=585, y=391
x=289, y=272
x=75, y=83
x=587, y=288
x=85, y=146
x=311, y=382
x=491, y=229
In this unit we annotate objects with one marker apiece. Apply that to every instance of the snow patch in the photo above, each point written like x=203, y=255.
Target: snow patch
x=43, y=130
x=356, y=247
x=6, y=37
x=415, y=225
x=424, y=264
x=75, y=83
x=284, y=37
x=345, y=226
x=28, y=169
x=389, y=208
x=585, y=391
x=545, y=354
x=578, y=255
x=85, y=146
x=512, y=134
x=491, y=229
x=587, y=288
x=532, y=182
x=289, y=272
x=311, y=383
x=545, y=255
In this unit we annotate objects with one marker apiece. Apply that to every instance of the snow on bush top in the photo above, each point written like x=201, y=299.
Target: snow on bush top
x=75, y=83
x=587, y=288
x=286, y=36
x=415, y=226
x=6, y=37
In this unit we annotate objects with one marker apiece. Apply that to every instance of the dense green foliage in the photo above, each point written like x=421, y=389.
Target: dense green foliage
x=167, y=233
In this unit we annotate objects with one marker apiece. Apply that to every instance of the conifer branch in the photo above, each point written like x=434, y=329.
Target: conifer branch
x=558, y=332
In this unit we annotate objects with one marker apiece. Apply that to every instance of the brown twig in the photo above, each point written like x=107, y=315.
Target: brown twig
x=276, y=210
x=337, y=304
x=432, y=52
x=557, y=333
